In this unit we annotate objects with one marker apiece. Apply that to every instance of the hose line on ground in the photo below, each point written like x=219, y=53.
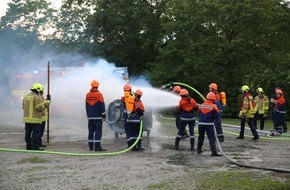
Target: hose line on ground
x=78, y=154
x=230, y=160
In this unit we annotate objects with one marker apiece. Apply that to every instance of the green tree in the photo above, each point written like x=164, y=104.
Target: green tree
x=126, y=32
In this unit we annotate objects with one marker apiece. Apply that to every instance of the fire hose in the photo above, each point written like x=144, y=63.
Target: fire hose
x=78, y=154
x=219, y=146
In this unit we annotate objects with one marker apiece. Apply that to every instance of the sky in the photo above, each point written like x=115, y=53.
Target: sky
x=4, y=5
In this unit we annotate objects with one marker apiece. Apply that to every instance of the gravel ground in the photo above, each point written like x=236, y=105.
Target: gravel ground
x=158, y=167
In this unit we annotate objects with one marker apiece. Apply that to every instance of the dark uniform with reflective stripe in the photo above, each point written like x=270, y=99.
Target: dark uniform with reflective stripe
x=95, y=108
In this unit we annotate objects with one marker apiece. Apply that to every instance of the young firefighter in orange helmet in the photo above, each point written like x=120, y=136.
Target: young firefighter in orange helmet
x=187, y=106
x=218, y=122
x=134, y=119
x=128, y=94
x=280, y=111
x=207, y=114
x=176, y=112
x=96, y=113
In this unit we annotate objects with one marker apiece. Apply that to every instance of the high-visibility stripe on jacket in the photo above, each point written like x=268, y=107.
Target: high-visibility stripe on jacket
x=32, y=108
x=248, y=106
x=187, y=108
x=261, y=104
x=207, y=112
x=46, y=103
x=95, y=105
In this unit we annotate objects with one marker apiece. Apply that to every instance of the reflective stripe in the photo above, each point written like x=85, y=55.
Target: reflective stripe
x=187, y=119
x=95, y=118
x=204, y=123
x=133, y=121
x=280, y=111
x=210, y=107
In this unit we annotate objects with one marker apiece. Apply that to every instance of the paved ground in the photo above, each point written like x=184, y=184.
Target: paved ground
x=158, y=167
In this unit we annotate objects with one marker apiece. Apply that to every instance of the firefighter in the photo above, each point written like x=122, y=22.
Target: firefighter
x=247, y=113
x=187, y=106
x=96, y=113
x=176, y=112
x=128, y=94
x=44, y=116
x=218, y=122
x=134, y=119
x=208, y=112
x=273, y=100
x=280, y=111
x=262, y=107
x=33, y=107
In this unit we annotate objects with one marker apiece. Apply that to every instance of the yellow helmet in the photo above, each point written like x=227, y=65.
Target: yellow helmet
x=37, y=86
x=260, y=90
x=245, y=88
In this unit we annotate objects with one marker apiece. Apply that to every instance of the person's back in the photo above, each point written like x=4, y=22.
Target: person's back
x=96, y=114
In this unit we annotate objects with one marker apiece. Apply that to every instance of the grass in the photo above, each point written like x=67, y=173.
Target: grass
x=227, y=180
x=33, y=160
x=241, y=181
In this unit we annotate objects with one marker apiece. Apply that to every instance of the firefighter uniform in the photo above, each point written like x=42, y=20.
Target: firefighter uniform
x=44, y=117
x=208, y=112
x=218, y=122
x=262, y=107
x=247, y=113
x=187, y=106
x=96, y=113
x=134, y=119
x=128, y=97
x=33, y=107
x=280, y=111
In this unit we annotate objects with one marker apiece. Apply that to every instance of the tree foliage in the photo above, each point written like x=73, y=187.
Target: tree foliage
x=227, y=42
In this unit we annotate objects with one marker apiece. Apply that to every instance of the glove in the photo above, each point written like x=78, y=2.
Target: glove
x=48, y=97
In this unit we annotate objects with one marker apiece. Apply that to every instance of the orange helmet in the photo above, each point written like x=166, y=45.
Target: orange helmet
x=210, y=96
x=183, y=92
x=279, y=91
x=95, y=84
x=176, y=89
x=213, y=86
x=139, y=92
x=127, y=87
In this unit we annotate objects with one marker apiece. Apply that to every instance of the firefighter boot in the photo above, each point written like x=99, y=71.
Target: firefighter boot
x=214, y=151
x=177, y=140
x=192, y=144
x=98, y=147
x=134, y=147
x=139, y=147
x=199, y=150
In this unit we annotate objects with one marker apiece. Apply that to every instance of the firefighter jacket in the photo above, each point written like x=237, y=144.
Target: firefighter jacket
x=33, y=107
x=44, y=113
x=218, y=101
x=187, y=106
x=95, y=105
x=261, y=104
x=280, y=106
x=248, y=106
x=137, y=113
x=207, y=113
